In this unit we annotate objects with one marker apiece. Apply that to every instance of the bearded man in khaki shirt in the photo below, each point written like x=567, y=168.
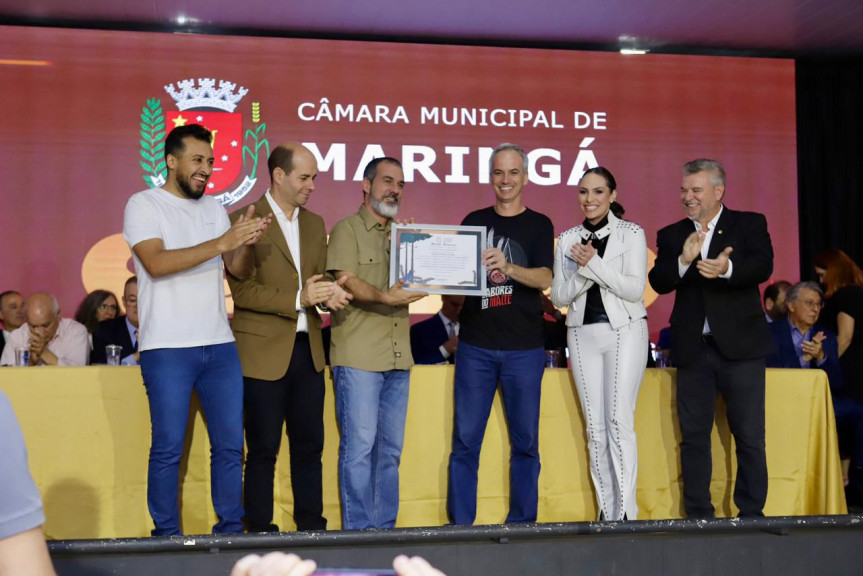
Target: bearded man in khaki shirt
x=370, y=353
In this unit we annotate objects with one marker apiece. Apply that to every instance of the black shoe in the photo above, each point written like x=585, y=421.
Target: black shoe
x=269, y=528
x=700, y=516
x=758, y=514
x=319, y=526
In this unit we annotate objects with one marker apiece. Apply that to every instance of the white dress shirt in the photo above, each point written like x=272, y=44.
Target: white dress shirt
x=291, y=231
x=705, y=247
x=451, y=330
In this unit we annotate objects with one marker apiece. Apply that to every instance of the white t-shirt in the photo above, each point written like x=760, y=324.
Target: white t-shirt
x=187, y=308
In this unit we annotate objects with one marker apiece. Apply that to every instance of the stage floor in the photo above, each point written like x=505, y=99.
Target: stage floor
x=787, y=546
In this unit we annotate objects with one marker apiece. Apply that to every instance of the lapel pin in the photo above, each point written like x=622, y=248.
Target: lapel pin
x=719, y=231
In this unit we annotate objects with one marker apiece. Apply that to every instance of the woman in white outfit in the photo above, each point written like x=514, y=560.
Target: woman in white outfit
x=600, y=268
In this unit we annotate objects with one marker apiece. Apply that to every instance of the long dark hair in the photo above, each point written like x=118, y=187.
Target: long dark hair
x=89, y=307
x=616, y=207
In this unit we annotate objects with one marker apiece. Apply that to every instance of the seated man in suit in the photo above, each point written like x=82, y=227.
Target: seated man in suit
x=434, y=341
x=121, y=330
x=775, y=297
x=801, y=343
x=11, y=314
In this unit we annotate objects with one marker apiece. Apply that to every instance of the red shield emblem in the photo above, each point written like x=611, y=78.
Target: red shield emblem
x=227, y=129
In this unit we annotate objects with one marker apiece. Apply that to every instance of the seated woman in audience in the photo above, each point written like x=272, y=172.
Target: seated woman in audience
x=842, y=280
x=97, y=306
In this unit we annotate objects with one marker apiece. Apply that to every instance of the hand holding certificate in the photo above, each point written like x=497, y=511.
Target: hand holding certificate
x=438, y=259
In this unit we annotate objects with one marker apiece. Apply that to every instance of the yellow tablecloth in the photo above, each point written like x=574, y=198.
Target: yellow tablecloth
x=88, y=434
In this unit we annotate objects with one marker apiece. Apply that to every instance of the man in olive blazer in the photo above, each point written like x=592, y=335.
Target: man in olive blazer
x=278, y=332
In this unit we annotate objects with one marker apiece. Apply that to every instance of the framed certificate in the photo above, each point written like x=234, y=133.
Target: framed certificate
x=438, y=259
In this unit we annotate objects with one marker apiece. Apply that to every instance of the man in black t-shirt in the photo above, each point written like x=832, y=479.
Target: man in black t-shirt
x=501, y=340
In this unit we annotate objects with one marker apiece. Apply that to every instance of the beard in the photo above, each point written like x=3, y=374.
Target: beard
x=186, y=188
x=184, y=183
x=384, y=209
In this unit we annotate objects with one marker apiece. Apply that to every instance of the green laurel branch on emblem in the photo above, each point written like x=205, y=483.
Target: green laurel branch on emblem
x=152, y=142
x=251, y=149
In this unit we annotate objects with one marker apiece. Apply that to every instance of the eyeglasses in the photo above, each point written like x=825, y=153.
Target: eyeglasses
x=812, y=303
x=112, y=307
x=131, y=301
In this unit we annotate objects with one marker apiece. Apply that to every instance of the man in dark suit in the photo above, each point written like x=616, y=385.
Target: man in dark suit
x=11, y=314
x=278, y=332
x=434, y=341
x=121, y=330
x=714, y=260
x=775, y=296
x=801, y=343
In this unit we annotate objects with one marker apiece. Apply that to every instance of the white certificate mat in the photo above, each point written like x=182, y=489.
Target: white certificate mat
x=438, y=259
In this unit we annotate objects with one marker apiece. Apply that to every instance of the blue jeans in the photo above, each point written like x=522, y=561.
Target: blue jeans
x=170, y=375
x=371, y=408
x=477, y=373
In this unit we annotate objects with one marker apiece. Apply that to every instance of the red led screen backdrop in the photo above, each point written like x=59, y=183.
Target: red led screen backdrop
x=84, y=113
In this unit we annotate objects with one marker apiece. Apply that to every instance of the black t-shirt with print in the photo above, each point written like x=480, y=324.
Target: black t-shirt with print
x=509, y=316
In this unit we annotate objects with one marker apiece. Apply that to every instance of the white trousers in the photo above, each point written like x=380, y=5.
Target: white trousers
x=608, y=366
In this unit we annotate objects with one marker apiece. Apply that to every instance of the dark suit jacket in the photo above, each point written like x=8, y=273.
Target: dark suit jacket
x=733, y=306
x=265, y=314
x=786, y=356
x=426, y=339
x=113, y=331
x=2, y=342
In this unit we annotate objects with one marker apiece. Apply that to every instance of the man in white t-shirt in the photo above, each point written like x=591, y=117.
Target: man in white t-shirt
x=180, y=239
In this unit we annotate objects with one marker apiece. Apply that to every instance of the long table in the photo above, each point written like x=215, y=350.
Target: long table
x=88, y=435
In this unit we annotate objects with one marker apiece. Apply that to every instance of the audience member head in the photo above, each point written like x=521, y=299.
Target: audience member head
x=774, y=299
x=130, y=300
x=98, y=305
x=451, y=305
x=383, y=184
x=835, y=270
x=804, y=303
x=11, y=310
x=43, y=315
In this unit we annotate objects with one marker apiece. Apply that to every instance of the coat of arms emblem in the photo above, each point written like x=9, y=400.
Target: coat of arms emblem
x=202, y=102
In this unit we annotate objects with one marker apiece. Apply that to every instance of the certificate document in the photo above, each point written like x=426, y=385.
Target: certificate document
x=438, y=259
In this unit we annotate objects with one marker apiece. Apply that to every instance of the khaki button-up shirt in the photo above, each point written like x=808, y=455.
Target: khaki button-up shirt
x=367, y=335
